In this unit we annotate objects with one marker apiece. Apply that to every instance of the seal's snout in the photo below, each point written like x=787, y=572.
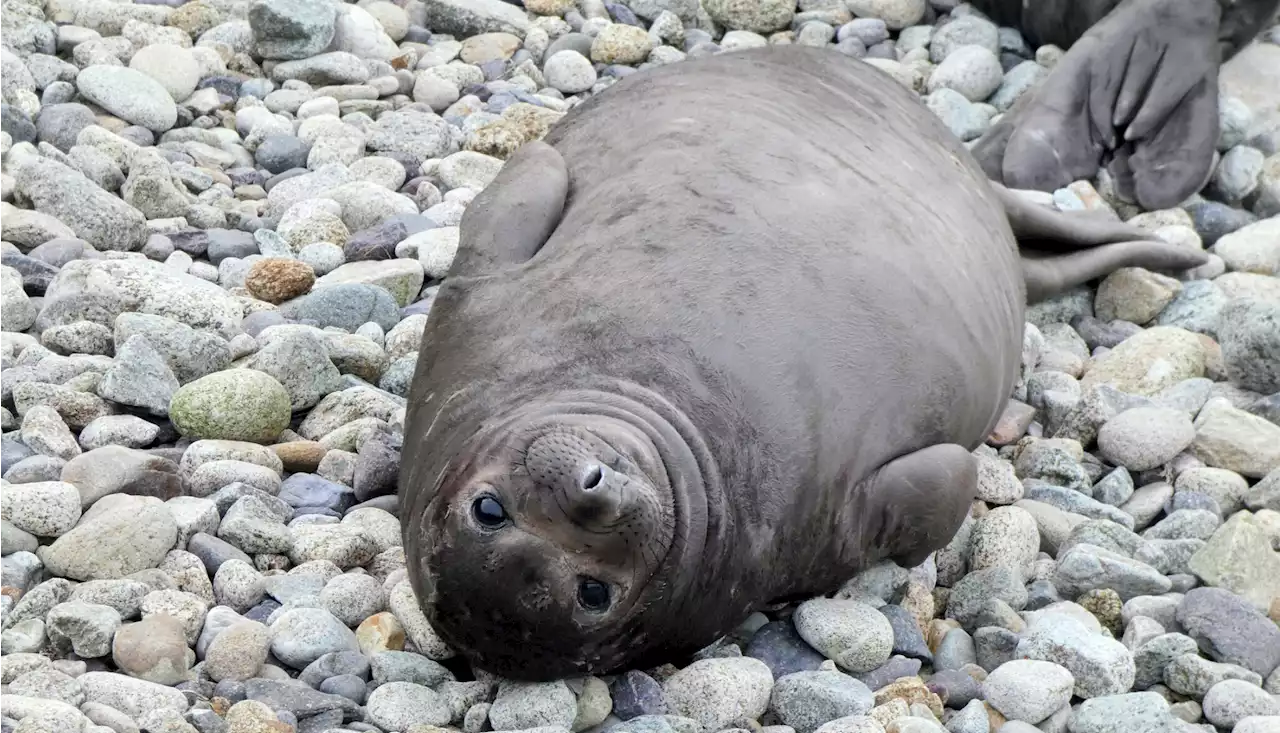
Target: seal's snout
x=578, y=470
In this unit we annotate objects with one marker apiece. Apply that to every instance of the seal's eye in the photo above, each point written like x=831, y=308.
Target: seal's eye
x=488, y=511
x=593, y=595
x=592, y=476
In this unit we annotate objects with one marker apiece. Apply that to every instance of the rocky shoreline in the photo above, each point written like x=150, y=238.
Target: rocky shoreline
x=223, y=227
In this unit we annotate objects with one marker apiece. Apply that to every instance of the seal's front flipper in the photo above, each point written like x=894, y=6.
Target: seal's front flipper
x=1135, y=80
x=922, y=499
x=515, y=214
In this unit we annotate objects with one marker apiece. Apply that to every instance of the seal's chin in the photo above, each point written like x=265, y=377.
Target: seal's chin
x=543, y=549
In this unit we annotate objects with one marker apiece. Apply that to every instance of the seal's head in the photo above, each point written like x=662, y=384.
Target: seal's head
x=543, y=548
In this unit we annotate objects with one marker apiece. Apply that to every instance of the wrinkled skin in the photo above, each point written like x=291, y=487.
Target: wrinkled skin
x=1136, y=93
x=693, y=359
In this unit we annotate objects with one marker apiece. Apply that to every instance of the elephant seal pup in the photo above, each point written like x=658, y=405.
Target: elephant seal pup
x=1136, y=93
x=727, y=336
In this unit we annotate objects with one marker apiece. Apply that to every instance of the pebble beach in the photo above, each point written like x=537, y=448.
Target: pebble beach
x=224, y=223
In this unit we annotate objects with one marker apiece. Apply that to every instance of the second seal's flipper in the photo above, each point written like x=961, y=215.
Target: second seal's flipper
x=508, y=222
x=922, y=499
x=1133, y=87
x=1176, y=159
x=1046, y=140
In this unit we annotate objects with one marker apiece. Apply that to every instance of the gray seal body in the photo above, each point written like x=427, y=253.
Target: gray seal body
x=726, y=336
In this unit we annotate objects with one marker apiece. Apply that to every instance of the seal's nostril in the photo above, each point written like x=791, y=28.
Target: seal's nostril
x=592, y=476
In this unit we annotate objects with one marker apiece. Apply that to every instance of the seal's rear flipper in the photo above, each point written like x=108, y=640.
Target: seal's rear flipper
x=1062, y=250
x=1138, y=89
x=922, y=499
x=515, y=214
x=1050, y=273
x=1044, y=227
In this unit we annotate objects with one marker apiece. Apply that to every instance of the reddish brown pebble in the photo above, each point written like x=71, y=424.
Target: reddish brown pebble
x=978, y=509
x=994, y=718
x=1215, y=367
x=276, y=280
x=380, y=632
x=300, y=456
x=1013, y=424
x=938, y=628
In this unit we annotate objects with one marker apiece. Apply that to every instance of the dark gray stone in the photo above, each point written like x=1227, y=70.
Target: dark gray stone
x=254, y=323
x=635, y=694
x=897, y=666
x=224, y=243
x=907, y=639
x=334, y=664
x=1230, y=630
x=15, y=122
x=279, y=153
x=36, y=275
x=1267, y=408
x=205, y=720
x=995, y=646
x=1214, y=220
x=60, y=124
x=379, y=242
x=309, y=490
x=397, y=666
x=262, y=612
x=213, y=552
x=781, y=647
x=347, y=306
x=12, y=453
x=294, y=697
x=194, y=242
x=292, y=29
x=233, y=690
x=377, y=468
x=579, y=42
x=1041, y=593
x=1108, y=334
x=956, y=688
